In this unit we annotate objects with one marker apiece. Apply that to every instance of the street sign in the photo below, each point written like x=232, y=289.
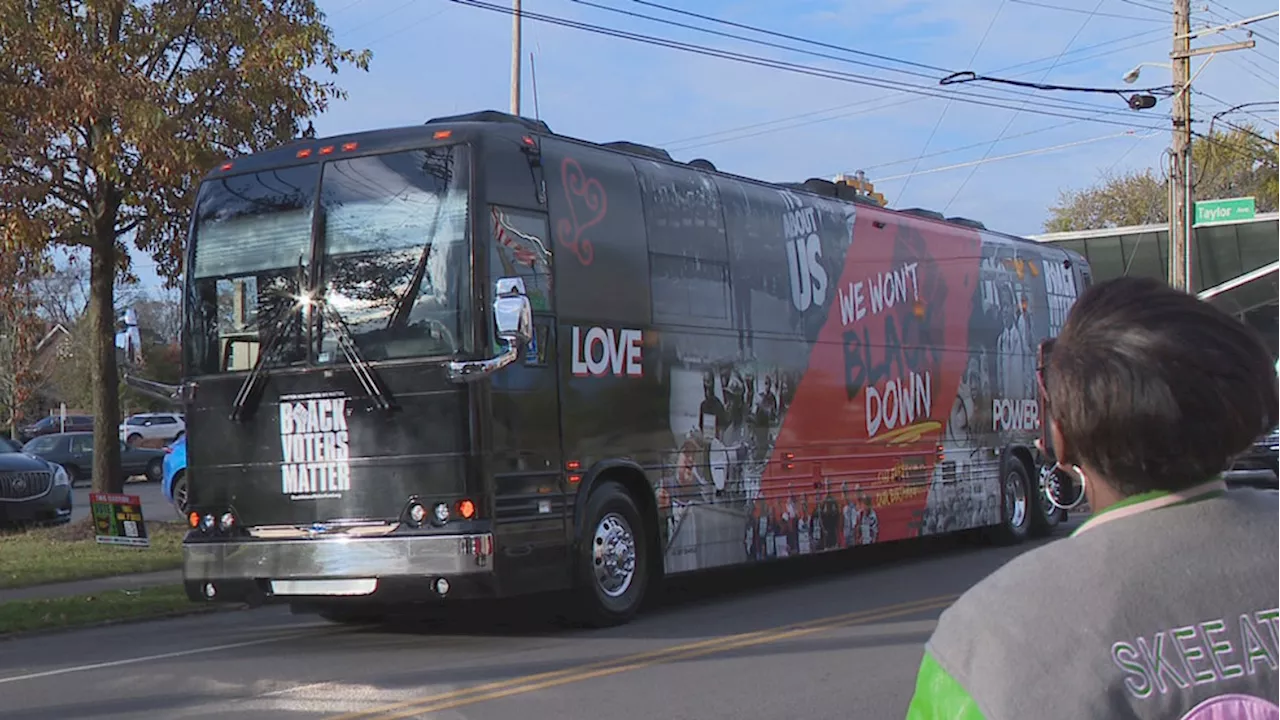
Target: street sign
x=1232, y=209
x=117, y=520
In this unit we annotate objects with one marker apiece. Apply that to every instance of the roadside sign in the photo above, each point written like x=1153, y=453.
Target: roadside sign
x=1229, y=210
x=117, y=520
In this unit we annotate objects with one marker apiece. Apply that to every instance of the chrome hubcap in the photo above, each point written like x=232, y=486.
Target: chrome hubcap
x=1015, y=500
x=613, y=555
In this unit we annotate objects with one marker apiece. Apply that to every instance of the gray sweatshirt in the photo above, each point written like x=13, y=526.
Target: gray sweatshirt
x=1145, y=616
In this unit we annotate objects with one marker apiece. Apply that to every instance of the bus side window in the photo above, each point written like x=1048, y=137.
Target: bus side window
x=520, y=248
x=688, y=248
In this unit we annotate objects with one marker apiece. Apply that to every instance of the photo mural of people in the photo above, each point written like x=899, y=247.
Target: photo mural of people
x=725, y=418
x=1013, y=307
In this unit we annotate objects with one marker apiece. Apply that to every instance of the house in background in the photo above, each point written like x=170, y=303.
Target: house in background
x=56, y=346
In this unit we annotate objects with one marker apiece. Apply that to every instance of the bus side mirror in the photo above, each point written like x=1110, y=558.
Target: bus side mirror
x=512, y=313
x=513, y=316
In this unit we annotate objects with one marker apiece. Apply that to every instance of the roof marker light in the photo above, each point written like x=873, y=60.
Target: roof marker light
x=348, y=147
x=443, y=134
x=226, y=167
x=304, y=153
x=326, y=150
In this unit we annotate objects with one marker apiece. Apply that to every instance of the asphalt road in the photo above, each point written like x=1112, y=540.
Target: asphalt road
x=830, y=638
x=154, y=505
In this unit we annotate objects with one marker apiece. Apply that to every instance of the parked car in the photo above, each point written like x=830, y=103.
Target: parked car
x=1257, y=466
x=163, y=427
x=32, y=490
x=74, y=452
x=55, y=424
x=174, y=484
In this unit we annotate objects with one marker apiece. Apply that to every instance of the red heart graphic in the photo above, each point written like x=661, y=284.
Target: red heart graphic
x=588, y=195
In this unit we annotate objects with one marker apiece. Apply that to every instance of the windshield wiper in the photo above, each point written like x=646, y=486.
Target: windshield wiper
x=242, y=408
x=351, y=352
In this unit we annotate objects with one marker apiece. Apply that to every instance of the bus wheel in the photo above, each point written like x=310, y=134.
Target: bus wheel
x=1044, y=516
x=1017, y=502
x=612, y=559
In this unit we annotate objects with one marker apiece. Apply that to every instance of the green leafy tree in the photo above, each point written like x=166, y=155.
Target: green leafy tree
x=1237, y=163
x=110, y=111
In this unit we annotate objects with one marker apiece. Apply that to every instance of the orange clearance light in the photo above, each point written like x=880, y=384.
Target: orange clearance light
x=326, y=150
x=226, y=166
x=348, y=147
x=304, y=153
x=527, y=140
x=194, y=519
x=466, y=509
x=443, y=134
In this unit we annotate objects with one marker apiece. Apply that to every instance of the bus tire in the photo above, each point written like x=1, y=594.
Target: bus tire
x=1045, y=518
x=612, y=563
x=1016, y=502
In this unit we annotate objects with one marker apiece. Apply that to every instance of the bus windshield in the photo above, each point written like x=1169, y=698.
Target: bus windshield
x=394, y=267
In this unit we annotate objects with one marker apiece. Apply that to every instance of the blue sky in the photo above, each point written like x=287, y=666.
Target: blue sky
x=436, y=57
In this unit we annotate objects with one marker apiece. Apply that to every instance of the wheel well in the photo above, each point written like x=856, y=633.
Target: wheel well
x=637, y=486
x=1024, y=456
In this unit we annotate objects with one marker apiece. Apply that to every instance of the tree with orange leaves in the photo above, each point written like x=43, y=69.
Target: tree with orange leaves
x=111, y=110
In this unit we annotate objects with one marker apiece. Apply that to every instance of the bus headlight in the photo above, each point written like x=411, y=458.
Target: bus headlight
x=442, y=513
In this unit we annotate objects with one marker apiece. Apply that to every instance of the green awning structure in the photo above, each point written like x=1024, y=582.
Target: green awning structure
x=1235, y=265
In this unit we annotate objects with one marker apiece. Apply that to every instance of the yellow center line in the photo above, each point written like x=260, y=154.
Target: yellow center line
x=530, y=683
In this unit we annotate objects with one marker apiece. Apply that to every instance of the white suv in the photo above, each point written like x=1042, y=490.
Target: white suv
x=152, y=426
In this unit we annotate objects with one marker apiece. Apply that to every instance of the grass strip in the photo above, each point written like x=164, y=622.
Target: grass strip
x=67, y=553
x=79, y=610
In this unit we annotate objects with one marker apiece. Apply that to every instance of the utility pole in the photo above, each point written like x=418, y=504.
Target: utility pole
x=1180, y=156
x=515, y=57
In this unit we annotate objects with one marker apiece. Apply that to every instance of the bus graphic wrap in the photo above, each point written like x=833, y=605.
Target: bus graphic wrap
x=830, y=379
x=474, y=358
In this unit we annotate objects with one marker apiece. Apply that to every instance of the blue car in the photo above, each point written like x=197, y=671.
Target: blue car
x=174, y=482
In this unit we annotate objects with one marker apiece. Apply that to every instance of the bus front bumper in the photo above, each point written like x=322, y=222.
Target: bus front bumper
x=404, y=568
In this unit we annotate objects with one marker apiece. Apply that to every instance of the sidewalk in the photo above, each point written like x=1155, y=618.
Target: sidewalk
x=88, y=587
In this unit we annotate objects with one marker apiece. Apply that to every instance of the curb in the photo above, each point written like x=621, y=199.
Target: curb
x=195, y=610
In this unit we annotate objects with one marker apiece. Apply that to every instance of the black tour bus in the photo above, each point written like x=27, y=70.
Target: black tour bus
x=474, y=358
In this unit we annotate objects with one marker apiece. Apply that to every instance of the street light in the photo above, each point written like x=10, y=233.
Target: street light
x=1132, y=76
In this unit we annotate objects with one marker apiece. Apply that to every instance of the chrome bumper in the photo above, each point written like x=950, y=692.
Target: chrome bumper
x=420, y=556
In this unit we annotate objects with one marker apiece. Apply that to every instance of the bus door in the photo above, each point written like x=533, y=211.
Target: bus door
x=530, y=500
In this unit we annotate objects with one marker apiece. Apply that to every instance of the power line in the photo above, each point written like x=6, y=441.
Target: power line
x=1078, y=10
x=1237, y=108
x=852, y=78
x=743, y=38
x=1144, y=6
x=765, y=31
x=1224, y=103
x=764, y=43
x=942, y=115
x=754, y=126
x=680, y=147
x=1014, y=116
x=962, y=148
x=1025, y=153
